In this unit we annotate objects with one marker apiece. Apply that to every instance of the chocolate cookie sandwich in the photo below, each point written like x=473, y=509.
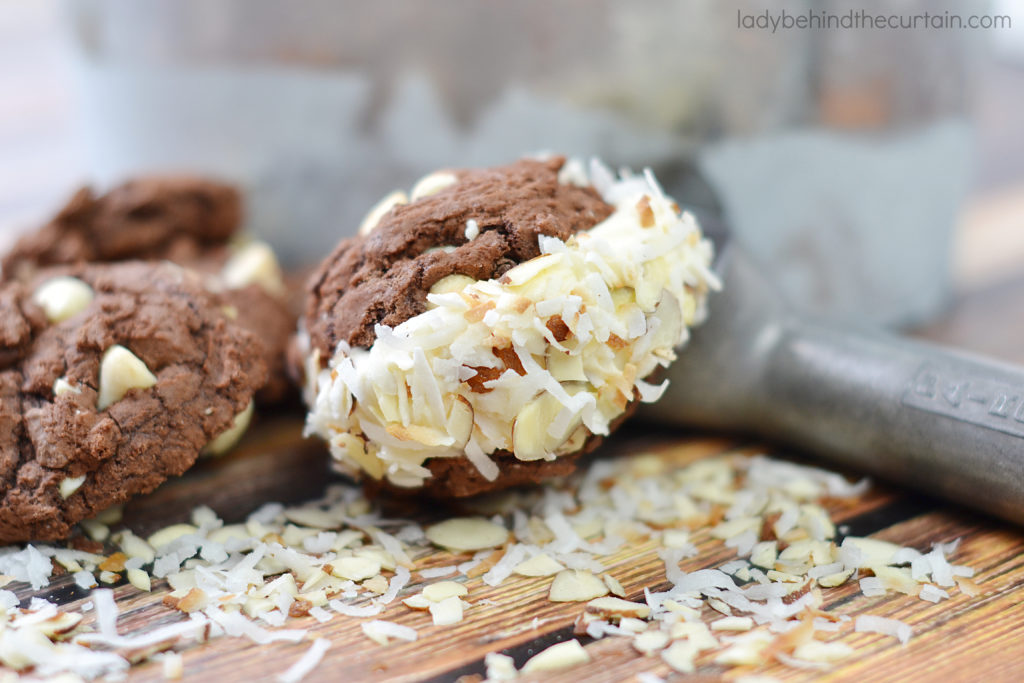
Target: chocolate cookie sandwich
x=495, y=324
x=113, y=377
x=192, y=222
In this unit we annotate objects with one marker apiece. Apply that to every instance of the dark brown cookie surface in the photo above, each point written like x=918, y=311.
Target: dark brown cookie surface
x=384, y=277
x=175, y=218
x=185, y=220
x=62, y=457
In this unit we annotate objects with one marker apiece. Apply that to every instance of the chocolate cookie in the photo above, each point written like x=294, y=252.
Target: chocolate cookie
x=185, y=220
x=180, y=219
x=493, y=326
x=112, y=379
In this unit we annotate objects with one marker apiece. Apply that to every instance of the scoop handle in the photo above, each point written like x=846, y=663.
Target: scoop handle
x=942, y=421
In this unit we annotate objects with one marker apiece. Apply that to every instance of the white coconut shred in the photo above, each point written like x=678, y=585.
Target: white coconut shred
x=532, y=363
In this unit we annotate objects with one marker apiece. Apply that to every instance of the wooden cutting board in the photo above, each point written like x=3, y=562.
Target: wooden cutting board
x=963, y=638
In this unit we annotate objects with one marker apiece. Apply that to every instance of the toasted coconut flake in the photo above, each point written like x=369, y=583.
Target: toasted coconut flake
x=867, y=623
x=306, y=663
x=381, y=631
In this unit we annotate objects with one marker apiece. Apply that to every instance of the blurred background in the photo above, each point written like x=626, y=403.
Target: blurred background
x=879, y=173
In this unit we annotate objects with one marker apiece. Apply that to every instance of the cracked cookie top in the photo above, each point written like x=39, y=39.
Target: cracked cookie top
x=187, y=220
x=384, y=276
x=175, y=218
x=112, y=379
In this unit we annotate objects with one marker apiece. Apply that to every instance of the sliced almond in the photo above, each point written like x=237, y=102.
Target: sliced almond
x=355, y=568
x=446, y=612
x=376, y=584
x=539, y=565
x=680, y=656
x=417, y=601
x=169, y=534
x=733, y=624
x=436, y=592
x=140, y=579
x=614, y=587
x=573, y=585
x=616, y=607
x=467, y=533
x=650, y=642
x=60, y=624
x=557, y=657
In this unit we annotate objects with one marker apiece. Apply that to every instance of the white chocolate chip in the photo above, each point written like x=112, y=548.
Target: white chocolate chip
x=254, y=264
x=69, y=485
x=467, y=533
x=121, y=370
x=472, y=229
x=446, y=612
x=226, y=440
x=62, y=386
x=436, y=592
x=396, y=198
x=559, y=656
x=574, y=585
x=432, y=184
x=455, y=282
x=62, y=297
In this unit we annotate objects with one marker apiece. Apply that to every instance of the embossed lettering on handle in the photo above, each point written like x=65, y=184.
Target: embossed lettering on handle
x=993, y=405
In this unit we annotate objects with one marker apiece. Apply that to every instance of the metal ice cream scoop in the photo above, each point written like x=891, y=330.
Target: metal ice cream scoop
x=942, y=421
